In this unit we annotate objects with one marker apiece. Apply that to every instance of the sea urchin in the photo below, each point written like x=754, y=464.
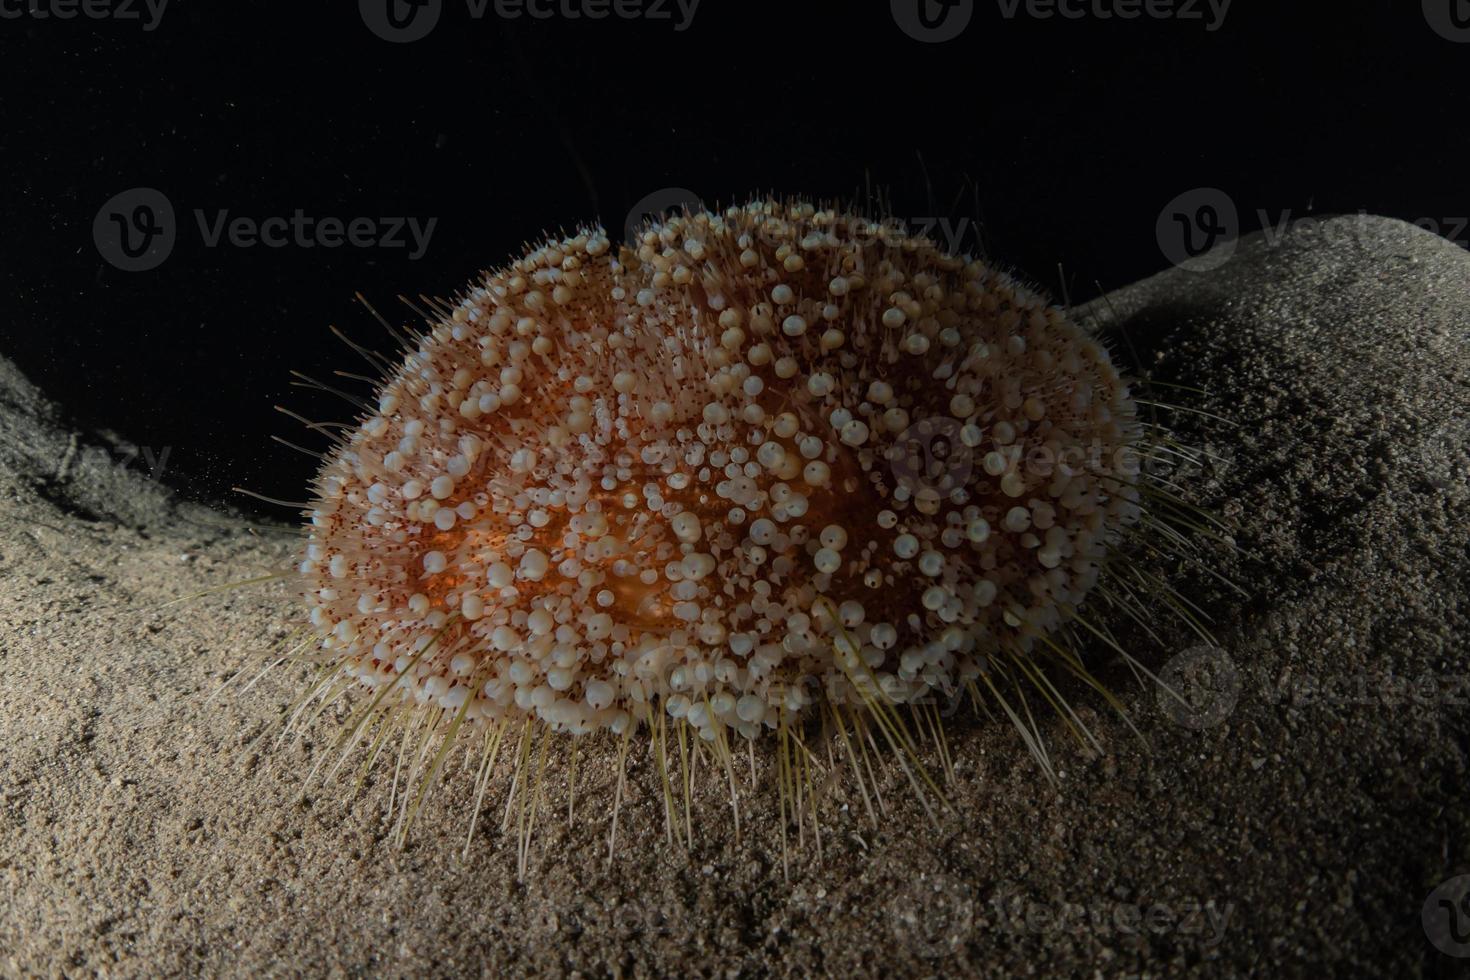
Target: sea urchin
x=754, y=465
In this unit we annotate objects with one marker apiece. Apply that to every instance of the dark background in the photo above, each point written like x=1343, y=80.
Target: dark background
x=1061, y=140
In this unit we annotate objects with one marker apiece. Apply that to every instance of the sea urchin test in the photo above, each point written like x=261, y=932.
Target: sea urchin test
x=753, y=464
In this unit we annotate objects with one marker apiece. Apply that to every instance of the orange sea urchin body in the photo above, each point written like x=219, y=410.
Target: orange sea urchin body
x=754, y=460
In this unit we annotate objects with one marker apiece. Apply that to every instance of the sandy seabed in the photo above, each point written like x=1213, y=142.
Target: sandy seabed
x=144, y=831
